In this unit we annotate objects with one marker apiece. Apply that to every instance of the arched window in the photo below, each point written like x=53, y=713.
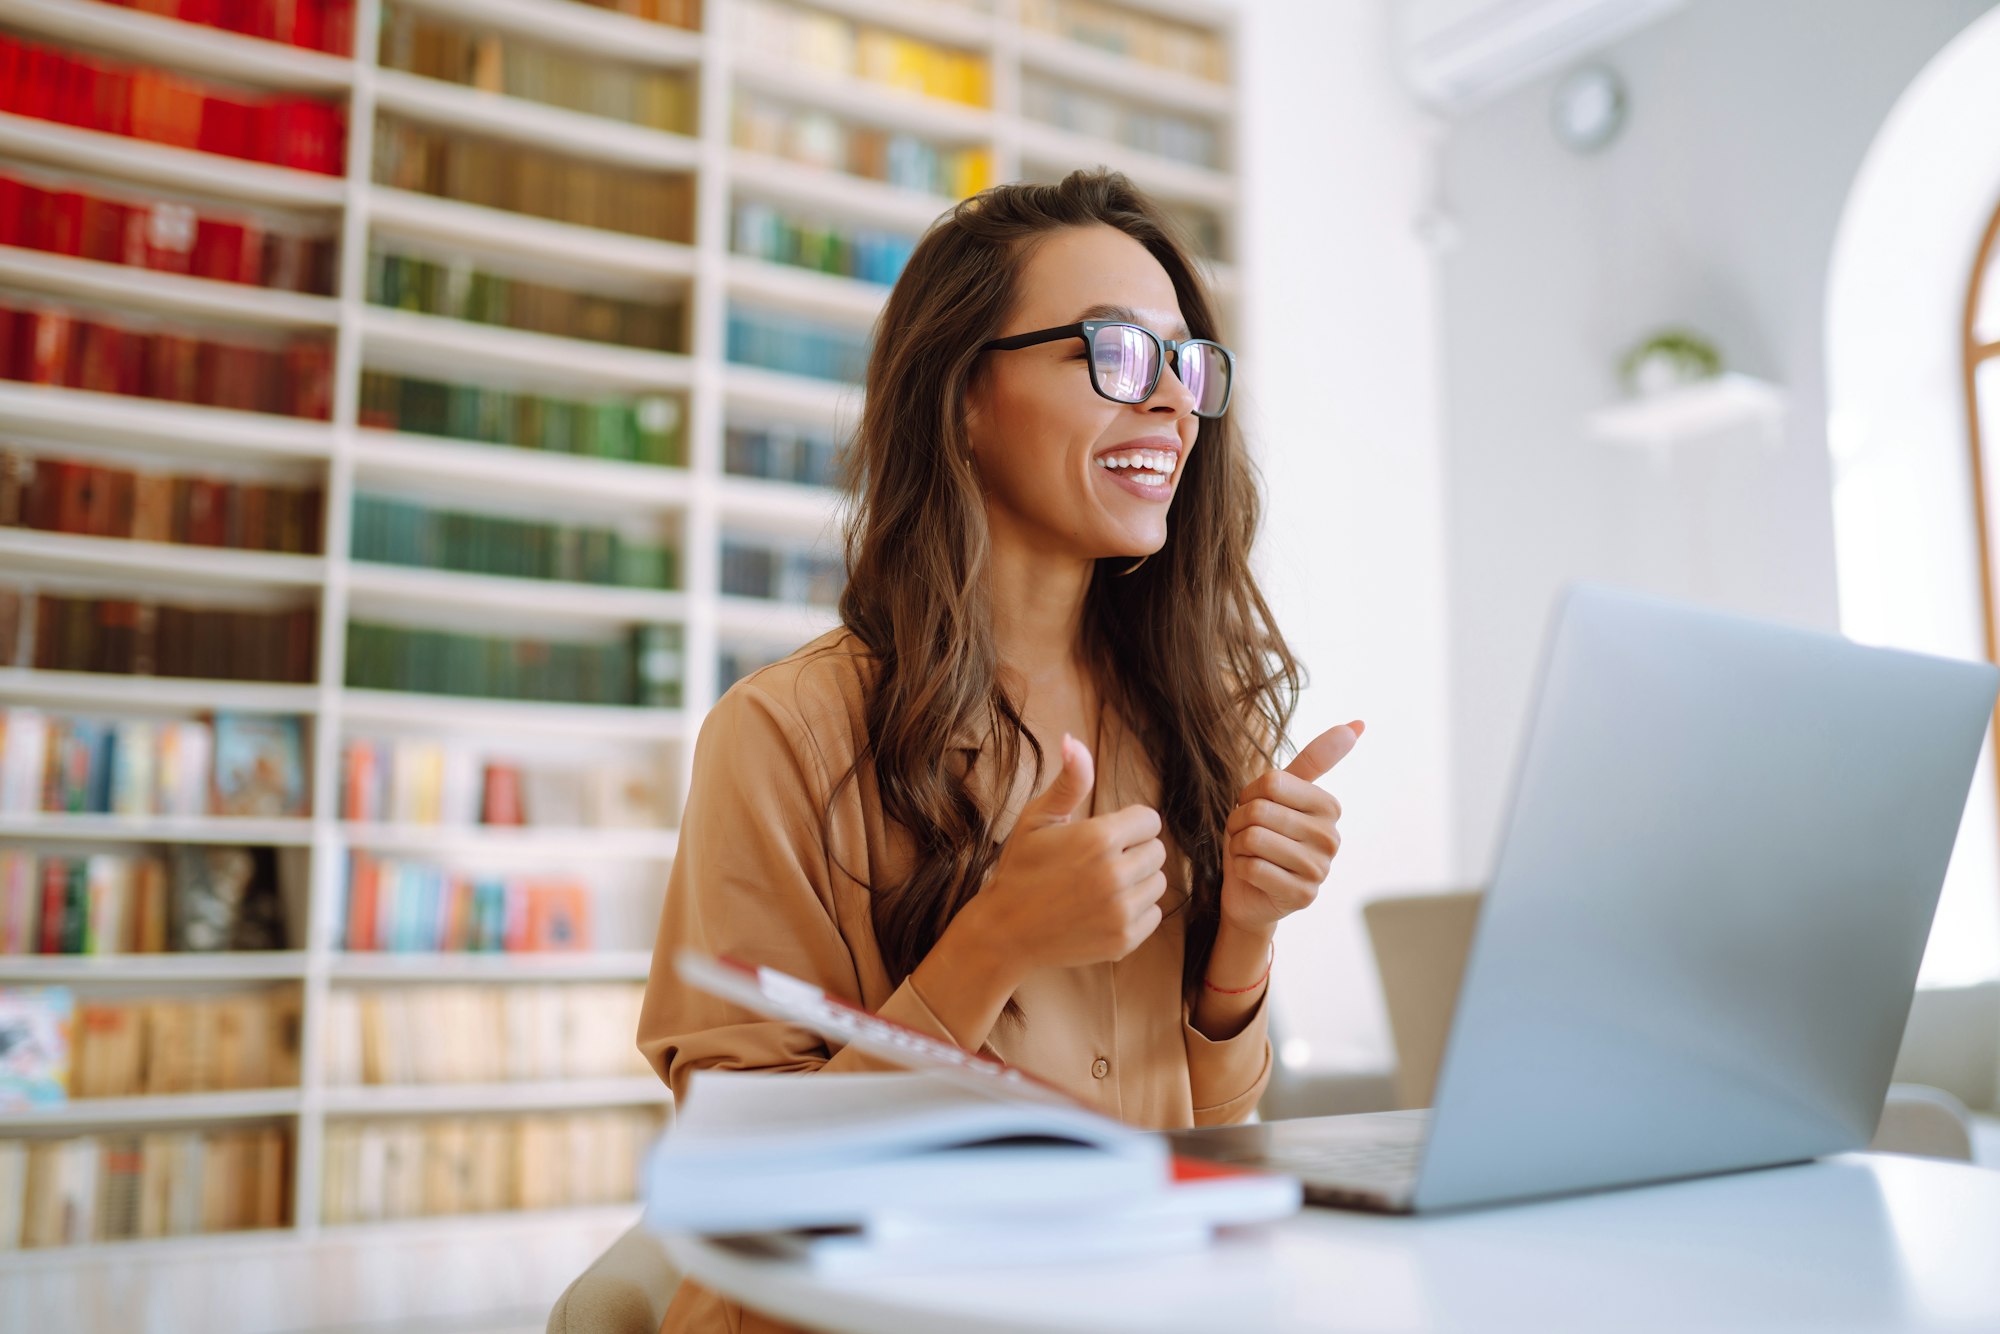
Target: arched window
x=1910, y=363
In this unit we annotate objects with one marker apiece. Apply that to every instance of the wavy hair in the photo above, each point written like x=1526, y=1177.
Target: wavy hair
x=1220, y=682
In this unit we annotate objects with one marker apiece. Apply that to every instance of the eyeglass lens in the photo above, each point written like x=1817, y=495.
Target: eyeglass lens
x=1126, y=361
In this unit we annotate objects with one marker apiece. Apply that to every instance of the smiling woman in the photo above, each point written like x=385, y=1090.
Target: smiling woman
x=1048, y=552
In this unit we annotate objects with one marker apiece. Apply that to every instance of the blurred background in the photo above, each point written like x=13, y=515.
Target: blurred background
x=415, y=413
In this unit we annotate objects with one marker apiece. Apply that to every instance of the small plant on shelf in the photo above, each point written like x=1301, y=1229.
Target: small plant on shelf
x=1668, y=360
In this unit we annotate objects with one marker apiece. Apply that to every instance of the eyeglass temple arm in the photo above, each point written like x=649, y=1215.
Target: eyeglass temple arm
x=1031, y=339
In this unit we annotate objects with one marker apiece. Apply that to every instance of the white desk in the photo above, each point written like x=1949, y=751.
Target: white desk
x=1864, y=1241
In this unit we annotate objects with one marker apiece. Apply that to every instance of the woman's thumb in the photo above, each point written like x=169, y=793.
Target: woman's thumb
x=1069, y=795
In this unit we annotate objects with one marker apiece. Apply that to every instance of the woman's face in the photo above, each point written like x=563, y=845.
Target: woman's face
x=1046, y=443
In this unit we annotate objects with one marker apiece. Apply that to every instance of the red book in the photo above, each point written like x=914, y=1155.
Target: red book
x=65, y=222
x=103, y=230
x=225, y=126
x=106, y=359
x=14, y=208
x=309, y=372
x=48, y=332
x=13, y=75
x=55, y=898
x=173, y=367
x=364, y=878
x=205, y=513
x=72, y=484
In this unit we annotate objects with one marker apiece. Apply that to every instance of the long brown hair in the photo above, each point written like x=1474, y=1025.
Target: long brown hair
x=1220, y=684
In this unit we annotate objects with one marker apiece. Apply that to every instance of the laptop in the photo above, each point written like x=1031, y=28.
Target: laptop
x=1697, y=949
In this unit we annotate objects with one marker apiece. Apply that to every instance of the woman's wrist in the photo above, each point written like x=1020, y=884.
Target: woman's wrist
x=968, y=977
x=1240, y=960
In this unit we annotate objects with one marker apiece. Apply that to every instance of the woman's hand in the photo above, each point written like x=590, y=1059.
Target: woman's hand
x=1071, y=889
x=1282, y=837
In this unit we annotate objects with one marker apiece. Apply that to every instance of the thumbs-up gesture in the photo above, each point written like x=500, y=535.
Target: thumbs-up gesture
x=1282, y=837
x=1071, y=889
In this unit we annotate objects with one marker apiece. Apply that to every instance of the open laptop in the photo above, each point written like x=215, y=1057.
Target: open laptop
x=1699, y=943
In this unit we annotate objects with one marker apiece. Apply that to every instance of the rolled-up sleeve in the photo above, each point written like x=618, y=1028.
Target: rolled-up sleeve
x=753, y=879
x=1228, y=1077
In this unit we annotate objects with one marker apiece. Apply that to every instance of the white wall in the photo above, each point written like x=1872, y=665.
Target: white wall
x=1717, y=208
x=1341, y=397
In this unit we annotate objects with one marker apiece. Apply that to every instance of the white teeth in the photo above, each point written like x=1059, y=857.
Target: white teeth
x=1148, y=461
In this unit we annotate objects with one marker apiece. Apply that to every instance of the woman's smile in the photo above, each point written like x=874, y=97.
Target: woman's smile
x=1146, y=468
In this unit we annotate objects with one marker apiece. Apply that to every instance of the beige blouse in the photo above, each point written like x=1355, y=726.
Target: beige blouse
x=766, y=872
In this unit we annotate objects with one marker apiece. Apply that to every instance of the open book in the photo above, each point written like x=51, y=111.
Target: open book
x=964, y=1160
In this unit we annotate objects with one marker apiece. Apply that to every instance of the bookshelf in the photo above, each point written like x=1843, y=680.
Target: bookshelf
x=1025, y=84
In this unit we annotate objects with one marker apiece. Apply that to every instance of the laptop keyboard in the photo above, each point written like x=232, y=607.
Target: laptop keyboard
x=1360, y=1163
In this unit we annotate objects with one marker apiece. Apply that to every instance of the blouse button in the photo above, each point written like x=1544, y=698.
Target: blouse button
x=1099, y=1068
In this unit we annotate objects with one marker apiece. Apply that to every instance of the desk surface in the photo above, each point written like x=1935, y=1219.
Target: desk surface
x=1862, y=1241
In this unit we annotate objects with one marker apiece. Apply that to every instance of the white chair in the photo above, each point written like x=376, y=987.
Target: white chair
x=625, y=1291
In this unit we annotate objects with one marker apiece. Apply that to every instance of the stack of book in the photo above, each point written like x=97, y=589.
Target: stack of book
x=459, y=291
x=482, y=1034
x=319, y=25
x=803, y=454
x=146, y=766
x=417, y=907
x=192, y=899
x=378, y=1170
x=128, y=637
x=417, y=781
x=787, y=574
x=45, y=343
x=62, y=216
x=120, y=98
x=57, y=495
x=782, y=342
x=966, y=1162
x=643, y=429
x=121, y=1187
x=860, y=50
x=1082, y=111
x=1121, y=31
x=784, y=237
x=496, y=62
x=213, y=1044
x=642, y=668
x=820, y=139
x=497, y=174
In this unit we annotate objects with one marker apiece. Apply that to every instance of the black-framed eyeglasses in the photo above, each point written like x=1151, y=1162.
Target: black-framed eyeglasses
x=1126, y=361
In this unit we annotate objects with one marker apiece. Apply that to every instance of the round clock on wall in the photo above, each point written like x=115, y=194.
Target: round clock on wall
x=1589, y=108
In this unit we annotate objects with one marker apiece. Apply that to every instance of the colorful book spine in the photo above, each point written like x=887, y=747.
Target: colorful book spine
x=860, y=50
x=498, y=62
x=787, y=574
x=317, y=25
x=55, y=214
x=404, y=533
x=403, y=907
x=1135, y=35
x=51, y=344
x=764, y=232
x=1082, y=111
x=162, y=1183
x=495, y=174
x=128, y=637
x=643, y=429
x=375, y=1170
x=459, y=291
x=57, y=495
x=798, y=347
x=806, y=455
x=116, y=97
x=101, y=903
x=819, y=139
x=643, y=667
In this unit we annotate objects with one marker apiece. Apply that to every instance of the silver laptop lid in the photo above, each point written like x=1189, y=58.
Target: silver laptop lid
x=1697, y=951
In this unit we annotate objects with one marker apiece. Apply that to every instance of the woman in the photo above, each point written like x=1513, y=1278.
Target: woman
x=1023, y=798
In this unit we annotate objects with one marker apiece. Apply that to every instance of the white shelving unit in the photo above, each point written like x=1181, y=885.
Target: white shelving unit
x=699, y=503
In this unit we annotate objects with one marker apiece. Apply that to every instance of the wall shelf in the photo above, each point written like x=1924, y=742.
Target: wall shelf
x=1709, y=407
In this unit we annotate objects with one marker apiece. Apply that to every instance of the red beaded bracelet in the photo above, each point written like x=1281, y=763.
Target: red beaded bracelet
x=1238, y=991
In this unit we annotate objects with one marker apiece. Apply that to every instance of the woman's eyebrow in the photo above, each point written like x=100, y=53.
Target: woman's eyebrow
x=1125, y=315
